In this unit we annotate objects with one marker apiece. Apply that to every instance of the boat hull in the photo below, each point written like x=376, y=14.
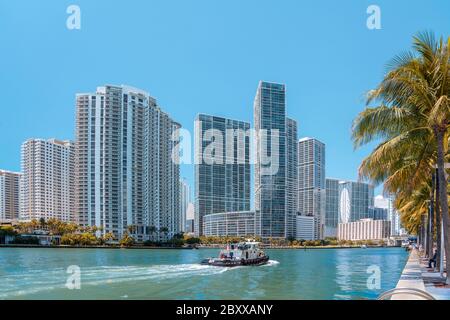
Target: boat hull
x=236, y=263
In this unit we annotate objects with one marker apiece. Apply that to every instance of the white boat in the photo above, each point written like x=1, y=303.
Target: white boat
x=239, y=254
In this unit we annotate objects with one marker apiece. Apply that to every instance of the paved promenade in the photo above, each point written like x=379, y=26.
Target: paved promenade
x=411, y=278
x=416, y=275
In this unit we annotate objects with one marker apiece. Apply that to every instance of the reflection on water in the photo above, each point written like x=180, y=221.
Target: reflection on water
x=343, y=271
x=177, y=274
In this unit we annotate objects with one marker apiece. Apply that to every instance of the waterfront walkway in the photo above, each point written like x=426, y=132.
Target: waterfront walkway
x=415, y=275
x=411, y=278
x=434, y=282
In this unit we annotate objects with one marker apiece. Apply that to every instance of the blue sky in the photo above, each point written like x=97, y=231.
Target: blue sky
x=203, y=56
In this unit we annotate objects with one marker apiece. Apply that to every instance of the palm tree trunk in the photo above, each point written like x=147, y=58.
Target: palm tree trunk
x=438, y=227
x=431, y=219
x=422, y=232
x=443, y=197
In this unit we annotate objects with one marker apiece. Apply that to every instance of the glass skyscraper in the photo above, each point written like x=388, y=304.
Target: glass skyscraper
x=270, y=177
x=356, y=200
x=291, y=177
x=222, y=167
x=332, y=207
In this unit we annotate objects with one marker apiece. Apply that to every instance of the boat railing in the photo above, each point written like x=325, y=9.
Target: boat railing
x=409, y=291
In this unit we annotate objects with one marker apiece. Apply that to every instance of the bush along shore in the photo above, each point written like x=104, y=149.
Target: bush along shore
x=54, y=233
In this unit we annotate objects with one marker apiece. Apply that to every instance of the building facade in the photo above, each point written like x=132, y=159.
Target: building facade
x=356, y=200
x=269, y=110
x=127, y=176
x=306, y=228
x=392, y=214
x=311, y=181
x=48, y=181
x=222, y=167
x=185, y=200
x=291, y=177
x=9, y=195
x=379, y=214
x=235, y=224
x=332, y=207
x=364, y=229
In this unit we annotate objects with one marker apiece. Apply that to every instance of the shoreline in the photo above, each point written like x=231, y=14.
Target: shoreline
x=184, y=248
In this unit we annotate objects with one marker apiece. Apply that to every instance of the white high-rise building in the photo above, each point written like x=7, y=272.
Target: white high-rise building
x=127, y=180
x=311, y=181
x=306, y=228
x=48, y=182
x=291, y=177
x=9, y=195
x=392, y=214
x=185, y=199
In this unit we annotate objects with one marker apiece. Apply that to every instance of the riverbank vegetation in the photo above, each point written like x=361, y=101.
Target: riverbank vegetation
x=70, y=234
x=410, y=123
x=328, y=242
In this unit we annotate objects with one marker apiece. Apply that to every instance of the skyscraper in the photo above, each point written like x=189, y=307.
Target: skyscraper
x=291, y=177
x=378, y=213
x=125, y=173
x=185, y=199
x=47, y=188
x=222, y=167
x=332, y=207
x=311, y=181
x=269, y=110
x=9, y=195
x=392, y=214
x=356, y=200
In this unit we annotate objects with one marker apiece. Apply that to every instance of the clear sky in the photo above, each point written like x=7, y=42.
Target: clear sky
x=203, y=56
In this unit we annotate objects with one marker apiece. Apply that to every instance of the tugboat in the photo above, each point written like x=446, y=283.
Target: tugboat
x=245, y=253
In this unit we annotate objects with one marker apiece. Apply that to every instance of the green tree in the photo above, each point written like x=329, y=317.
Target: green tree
x=7, y=231
x=42, y=223
x=193, y=240
x=152, y=230
x=165, y=231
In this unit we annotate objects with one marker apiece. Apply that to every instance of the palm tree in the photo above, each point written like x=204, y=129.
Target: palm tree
x=152, y=230
x=131, y=228
x=414, y=104
x=42, y=223
x=107, y=237
x=164, y=230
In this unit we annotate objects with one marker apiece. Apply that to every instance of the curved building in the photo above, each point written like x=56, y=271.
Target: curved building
x=240, y=223
x=355, y=201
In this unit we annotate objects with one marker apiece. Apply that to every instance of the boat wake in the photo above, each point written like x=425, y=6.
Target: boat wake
x=48, y=280
x=138, y=273
x=271, y=263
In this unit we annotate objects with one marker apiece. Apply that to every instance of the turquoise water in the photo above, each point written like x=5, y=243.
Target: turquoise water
x=33, y=273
